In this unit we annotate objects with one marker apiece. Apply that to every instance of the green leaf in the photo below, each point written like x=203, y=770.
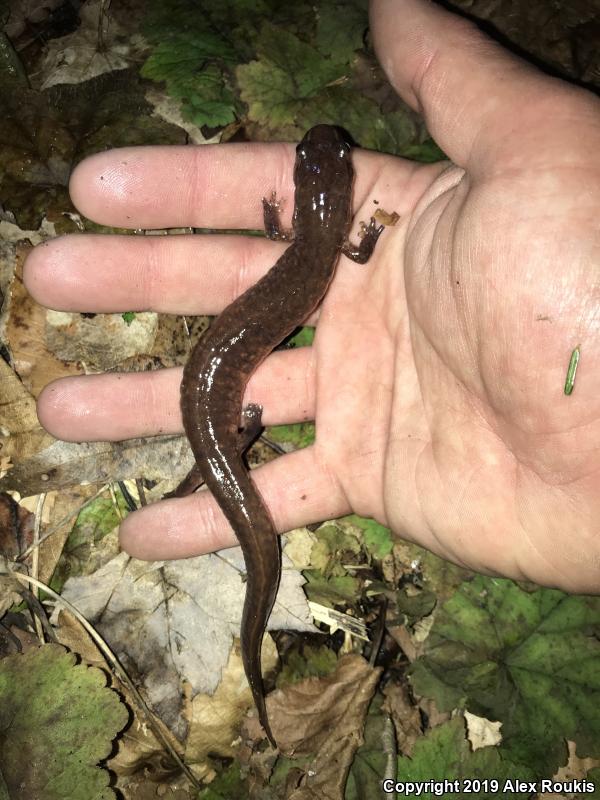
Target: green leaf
x=306, y=67
x=417, y=605
x=391, y=133
x=377, y=538
x=287, y=74
x=183, y=55
x=186, y=62
x=445, y=755
x=58, y=721
x=310, y=663
x=304, y=337
x=332, y=543
x=82, y=553
x=594, y=777
x=341, y=28
x=440, y=576
x=427, y=152
x=269, y=92
x=330, y=591
x=300, y=435
x=226, y=785
x=529, y=660
x=368, y=766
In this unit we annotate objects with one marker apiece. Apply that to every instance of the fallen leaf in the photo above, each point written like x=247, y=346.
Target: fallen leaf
x=326, y=717
x=16, y=527
x=25, y=335
x=82, y=55
x=215, y=719
x=102, y=342
x=316, y=714
x=405, y=716
x=444, y=755
x=60, y=464
x=22, y=435
x=176, y=620
x=58, y=721
x=530, y=660
x=372, y=759
x=10, y=588
x=482, y=732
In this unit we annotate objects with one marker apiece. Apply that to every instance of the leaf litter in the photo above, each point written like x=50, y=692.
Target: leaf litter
x=175, y=620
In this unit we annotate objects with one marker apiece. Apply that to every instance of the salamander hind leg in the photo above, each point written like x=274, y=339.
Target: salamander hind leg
x=192, y=481
x=364, y=251
x=250, y=427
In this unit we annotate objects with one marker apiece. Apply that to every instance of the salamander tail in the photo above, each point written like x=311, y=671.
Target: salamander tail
x=263, y=564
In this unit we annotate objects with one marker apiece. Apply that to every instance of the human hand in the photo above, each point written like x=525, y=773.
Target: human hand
x=436, y=376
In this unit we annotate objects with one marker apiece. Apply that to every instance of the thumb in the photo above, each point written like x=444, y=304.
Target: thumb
x=476, y=97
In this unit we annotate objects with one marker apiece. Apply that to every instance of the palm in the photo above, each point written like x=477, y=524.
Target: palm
x=441, y=375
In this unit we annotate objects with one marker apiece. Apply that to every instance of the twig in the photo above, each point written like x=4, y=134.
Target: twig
x=388, y=743
x=35, y=561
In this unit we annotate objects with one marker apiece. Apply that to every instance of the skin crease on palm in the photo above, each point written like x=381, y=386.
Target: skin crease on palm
x=437, y=372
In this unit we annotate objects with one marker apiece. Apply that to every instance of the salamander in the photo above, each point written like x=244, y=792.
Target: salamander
x=216, y=423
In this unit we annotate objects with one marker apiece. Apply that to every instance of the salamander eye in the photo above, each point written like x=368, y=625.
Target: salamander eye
x=301, y=150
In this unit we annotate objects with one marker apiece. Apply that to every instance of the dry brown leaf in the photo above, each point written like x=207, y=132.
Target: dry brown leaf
x=102, y=342
x=25, y=335
x=16, y=527
x=215, y=720
x=405, y=716
x=325, y=716
x=23, y=12
x=80, y=56
x=69, y=464
x=576, y=768
x=176, y=619
x=482, y=732
x=404, y=638
x=71, y=633
x=386, y=217
x=10, y=590
x=22, y=434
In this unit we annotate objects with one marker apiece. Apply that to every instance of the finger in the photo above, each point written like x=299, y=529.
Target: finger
x=207, y=186
x=171, y=274
x=113, y=407
x=297, y=489
x=475, y=96
x=178, y=274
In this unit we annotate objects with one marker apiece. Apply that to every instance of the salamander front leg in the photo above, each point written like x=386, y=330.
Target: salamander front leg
x=370, y=234
x=273, y=229
x=251, y=426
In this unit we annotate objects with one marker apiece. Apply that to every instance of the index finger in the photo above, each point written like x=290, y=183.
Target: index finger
x=210, y=186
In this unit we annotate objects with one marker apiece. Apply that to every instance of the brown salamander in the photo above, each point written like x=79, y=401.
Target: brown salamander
x=218, y=369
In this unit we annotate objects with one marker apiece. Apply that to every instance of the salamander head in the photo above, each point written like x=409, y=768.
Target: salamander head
x=323, y=176
x=328, y=135
x=323, y=140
